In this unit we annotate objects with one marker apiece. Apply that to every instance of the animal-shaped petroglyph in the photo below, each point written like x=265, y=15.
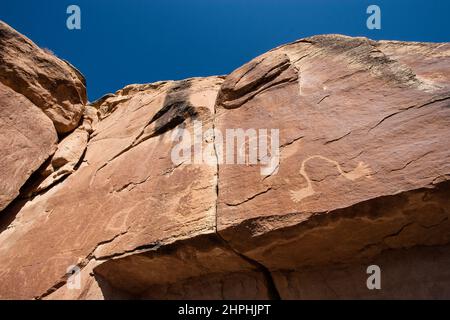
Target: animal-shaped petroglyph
x=362, y=170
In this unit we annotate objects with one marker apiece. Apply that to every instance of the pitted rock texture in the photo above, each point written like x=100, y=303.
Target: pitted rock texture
x=362, y=179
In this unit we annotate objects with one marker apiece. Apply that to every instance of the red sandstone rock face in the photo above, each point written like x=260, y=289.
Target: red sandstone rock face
x=40, y=96
x=51, y=84
x=356, y=125
x=362, y=179
x=27, y=139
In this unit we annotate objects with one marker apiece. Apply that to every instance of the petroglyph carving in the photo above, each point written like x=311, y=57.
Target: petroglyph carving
x=362, y=170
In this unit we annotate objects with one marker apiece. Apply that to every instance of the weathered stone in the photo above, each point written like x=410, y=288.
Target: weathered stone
x=200, y=268
x=90, y=119
x=125, y=187
x=363, y=129
x=416, y=273
x=27, y=139
x=362, y=179
x=52, y=84
x=70, y=149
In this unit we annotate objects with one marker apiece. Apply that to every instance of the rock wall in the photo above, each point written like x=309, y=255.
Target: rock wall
x=362, y=177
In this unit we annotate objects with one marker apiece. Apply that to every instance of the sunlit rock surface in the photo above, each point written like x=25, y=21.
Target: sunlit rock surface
x=361, y=179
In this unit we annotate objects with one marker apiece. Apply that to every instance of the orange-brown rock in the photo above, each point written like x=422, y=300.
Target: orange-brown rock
x=50, y=83
x=363, y=160
x=355, y=126
x=27, y=139
x=40, y=96
x=67, y=157
x=362, y=179
x=125, y=187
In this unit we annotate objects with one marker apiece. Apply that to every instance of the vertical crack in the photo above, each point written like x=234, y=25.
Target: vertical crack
x=272, y=290
x=269, y=281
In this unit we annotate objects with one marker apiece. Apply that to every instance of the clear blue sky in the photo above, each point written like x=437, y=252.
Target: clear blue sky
x=140, y=41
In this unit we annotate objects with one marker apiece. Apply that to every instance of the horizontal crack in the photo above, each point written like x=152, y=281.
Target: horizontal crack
x=434, y=100
x=250, y=198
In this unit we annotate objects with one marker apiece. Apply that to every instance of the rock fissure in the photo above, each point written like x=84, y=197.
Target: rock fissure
x=137, y=225
x=430, y=102
x=63, y=280
x=270, y=283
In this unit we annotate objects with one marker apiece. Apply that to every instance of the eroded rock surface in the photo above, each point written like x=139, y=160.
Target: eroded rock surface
x=125, y=187
x=27, y=139
x=357, y=126
x=50, y=83
x=40, y=96
x=67, y=157
x=362, y=179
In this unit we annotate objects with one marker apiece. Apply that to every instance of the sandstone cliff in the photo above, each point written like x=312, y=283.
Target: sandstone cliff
x=362, y=178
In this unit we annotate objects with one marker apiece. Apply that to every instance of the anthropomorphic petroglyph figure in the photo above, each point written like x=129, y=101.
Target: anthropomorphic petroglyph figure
x=362, y=170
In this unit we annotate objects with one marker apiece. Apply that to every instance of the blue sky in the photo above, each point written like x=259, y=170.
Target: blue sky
x=139, y=41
